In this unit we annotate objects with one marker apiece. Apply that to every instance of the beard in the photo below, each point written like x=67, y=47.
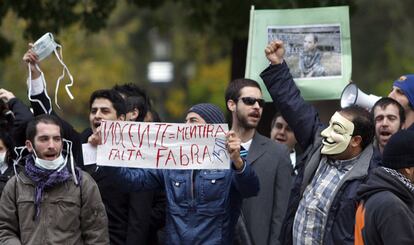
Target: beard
x=244, y=123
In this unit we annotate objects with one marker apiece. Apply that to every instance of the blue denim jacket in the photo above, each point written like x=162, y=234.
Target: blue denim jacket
x=202, y=205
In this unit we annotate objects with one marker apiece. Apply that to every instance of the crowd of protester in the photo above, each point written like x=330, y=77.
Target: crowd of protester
x=349, y=182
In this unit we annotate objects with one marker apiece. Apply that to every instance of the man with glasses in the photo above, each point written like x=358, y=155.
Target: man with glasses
x=202, y=205
x=263, y=214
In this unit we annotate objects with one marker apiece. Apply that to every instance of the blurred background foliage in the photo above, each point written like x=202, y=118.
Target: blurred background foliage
x=110, y=42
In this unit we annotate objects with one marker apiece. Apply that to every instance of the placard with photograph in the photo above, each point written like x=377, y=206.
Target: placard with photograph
x=317, y=43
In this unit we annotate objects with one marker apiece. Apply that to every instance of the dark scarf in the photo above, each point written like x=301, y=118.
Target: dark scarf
x=309, y=60
x=401, y=178
x=45, y=179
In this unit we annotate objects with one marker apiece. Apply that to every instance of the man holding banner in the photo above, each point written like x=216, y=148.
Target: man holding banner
x=128, y=213
x=262, y=215
x=337, y=158
x=202, y=205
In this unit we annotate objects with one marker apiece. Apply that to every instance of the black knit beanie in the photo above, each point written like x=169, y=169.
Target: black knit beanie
x=209, y=112
x=399, y=150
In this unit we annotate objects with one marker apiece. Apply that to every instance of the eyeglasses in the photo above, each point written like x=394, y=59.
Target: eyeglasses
x=252, y=101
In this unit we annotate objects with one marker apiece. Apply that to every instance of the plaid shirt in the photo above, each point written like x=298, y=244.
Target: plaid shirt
x=310, y=218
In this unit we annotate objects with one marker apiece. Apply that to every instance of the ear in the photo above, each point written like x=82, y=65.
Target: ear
x=121, y=117
x=356, y=141
x=407, y=172
x=231, y=105
x=135, y=114
x=29, y=145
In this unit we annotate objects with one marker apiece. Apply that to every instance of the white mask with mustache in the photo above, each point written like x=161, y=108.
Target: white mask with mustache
x=337, y=136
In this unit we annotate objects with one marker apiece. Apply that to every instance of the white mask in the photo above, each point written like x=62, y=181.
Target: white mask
x=337, y=136
x=56, y=164
x=2, y=158
x=43, y=47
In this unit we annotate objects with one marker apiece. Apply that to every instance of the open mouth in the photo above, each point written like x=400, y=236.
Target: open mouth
x=385, y=133
x=280, y=139
x=97, y=124
x=50, y=155
x=255, y=115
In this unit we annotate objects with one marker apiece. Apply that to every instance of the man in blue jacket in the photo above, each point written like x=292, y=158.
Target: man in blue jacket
x=202, y=205
x=336, y=158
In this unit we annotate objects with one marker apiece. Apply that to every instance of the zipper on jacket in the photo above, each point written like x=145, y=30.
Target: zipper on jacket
x=192, y=187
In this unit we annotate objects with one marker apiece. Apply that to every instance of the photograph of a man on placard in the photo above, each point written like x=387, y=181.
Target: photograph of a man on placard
x=312, y=51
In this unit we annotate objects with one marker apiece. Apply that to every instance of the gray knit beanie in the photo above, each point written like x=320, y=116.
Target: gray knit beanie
x=209, y=112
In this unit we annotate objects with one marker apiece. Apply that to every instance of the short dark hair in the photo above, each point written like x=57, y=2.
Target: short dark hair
x=386, y=101
x=235, y=86
x=273, y=124
x=31, y=129
x=154, y=115
x=110, y=94
x=363, y=123
x=133, y=90
x=139, y=103
x=130, y=89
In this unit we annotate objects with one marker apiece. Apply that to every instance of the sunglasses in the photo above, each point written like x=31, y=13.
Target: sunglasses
x=252, y=101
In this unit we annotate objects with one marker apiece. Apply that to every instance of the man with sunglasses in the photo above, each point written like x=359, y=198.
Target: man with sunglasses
x=263, y=214
x=322, y=203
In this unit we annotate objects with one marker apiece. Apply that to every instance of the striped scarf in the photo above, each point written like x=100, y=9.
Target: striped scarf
x=45, y=179
x=401, y=178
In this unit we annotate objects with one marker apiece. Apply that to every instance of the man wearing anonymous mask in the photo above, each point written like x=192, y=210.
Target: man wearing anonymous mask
x=336, y=158
x=47, y=201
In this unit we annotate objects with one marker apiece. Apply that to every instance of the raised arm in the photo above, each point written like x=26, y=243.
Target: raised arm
x=301, y=116
x=21, y=114
x=41, y=104
x=38, y=97
x=137, y=179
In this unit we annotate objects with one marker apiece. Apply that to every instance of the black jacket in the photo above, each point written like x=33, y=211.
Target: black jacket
x=388, y=206
x=5, y=177
x=22, y=115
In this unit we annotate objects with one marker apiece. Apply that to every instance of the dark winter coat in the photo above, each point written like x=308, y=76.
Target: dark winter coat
x=386, y=210
x=304, y=120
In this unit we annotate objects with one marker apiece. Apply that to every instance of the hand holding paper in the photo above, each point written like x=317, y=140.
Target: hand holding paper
x=95, y=139
x=275, y=52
